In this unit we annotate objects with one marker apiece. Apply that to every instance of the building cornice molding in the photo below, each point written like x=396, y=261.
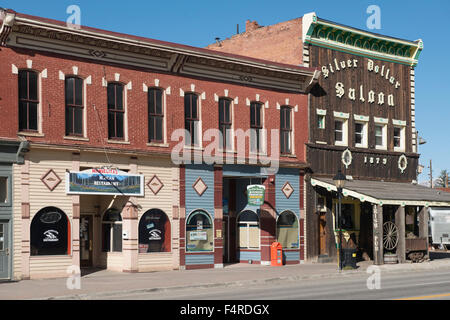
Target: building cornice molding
x=37, y=34
x=331, y=35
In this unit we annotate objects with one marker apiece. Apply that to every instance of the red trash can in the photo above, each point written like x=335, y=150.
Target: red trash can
x=276, y=254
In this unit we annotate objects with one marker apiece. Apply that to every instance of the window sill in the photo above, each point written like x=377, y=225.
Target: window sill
x=194, y=148
x=151, y=253
x=288, y=155
x=380, y=148
x=361, y=146
x=118, y=141
x=321, y=142
x=30, y=134
x=258, y=154
x=227, y=151
x=49, y=256
x=156, y=144
x=399, y=149
x=341, y=144
x=76, y=138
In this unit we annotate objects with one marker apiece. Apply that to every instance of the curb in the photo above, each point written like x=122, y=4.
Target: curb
x=347, y=273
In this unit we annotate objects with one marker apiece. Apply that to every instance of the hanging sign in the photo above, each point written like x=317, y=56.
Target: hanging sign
x=255, y=194
x=104, y=181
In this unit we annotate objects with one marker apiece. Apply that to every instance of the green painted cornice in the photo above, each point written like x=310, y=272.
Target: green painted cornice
x=342, y=38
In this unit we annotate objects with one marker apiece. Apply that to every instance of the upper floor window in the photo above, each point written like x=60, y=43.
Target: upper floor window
x=320, y=121
x=155, y=115
x=286, y=130
x=256, y=127
x=380, y=136
x=399, y=138
x=28, y=100
x=74, y=106
x=225, y=123
x=340, y=132
x=191, y=118
x=115, y=111
x=361, y=134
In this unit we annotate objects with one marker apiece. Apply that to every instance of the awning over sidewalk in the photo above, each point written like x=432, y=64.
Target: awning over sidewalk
x=388, y=193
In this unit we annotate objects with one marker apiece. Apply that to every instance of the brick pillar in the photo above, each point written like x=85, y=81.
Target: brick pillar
x=130, y=243
x=75, y=225
x=130, y=227
x=175, y=218
x=25, y=208
x=301, y=224
x=267, y=221
x=218, y=217
x=182, y=213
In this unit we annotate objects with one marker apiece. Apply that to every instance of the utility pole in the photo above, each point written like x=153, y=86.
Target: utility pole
x=431, y=175
x=446, y=180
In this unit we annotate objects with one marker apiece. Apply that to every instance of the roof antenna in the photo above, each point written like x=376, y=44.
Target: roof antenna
x=218, y=41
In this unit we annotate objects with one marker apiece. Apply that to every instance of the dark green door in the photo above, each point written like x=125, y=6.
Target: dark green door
x=5, y=255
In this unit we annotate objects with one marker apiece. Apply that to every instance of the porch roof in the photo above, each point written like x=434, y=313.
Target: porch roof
x=388, y=193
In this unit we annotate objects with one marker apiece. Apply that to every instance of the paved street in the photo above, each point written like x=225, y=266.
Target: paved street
x=418, y=285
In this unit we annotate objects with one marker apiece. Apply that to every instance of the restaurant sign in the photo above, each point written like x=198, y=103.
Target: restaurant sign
x=104, y=181
x=255, y=194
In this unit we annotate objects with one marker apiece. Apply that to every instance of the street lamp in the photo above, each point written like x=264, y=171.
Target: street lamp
x=339, y=180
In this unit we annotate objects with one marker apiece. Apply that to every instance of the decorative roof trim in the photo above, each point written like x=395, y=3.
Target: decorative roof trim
x=331, y=35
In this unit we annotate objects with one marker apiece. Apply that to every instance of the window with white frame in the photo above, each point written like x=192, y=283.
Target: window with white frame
x=340, y=132
x=380, y=136
x=321, y=121
x=248, y=230
x=256, y=127
x=399, y=138
x=360, y=134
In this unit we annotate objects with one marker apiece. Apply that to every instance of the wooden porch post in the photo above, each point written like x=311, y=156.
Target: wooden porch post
x=400, y=222
x=378, y=234
x=423, y=225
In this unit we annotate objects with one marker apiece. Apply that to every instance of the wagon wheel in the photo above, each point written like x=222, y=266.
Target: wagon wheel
x=390, y=235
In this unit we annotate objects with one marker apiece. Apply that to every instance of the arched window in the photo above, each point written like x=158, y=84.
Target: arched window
x=112, y=231
x=287, y=230
x=248, y=230
x=199, y=232
x=50, y=233
x=154, y=232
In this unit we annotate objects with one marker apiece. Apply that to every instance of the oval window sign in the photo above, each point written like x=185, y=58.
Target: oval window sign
x=50, y=217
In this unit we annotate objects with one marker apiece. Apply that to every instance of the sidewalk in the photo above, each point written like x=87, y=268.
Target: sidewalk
x=105, y=284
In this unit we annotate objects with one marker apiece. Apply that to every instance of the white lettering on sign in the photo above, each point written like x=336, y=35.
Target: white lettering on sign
x=363, y=93
x=51, y=236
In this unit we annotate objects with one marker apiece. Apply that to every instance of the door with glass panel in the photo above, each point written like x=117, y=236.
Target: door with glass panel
x=86, y=245
x=4, y=250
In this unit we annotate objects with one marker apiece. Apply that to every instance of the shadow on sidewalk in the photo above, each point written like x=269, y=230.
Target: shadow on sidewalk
x=87, y=271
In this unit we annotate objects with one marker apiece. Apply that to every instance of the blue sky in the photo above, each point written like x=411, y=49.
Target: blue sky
x=199, y=22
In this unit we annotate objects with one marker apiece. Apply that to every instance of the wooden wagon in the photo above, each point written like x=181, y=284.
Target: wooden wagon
x=416, y=248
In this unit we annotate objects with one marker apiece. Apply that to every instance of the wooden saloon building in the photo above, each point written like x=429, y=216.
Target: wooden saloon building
x=362, y=122
x=90, y=125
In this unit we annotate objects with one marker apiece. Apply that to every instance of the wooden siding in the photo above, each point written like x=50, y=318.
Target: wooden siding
x=155, y=261
x=327, y=161
x=17, y=224
x=206, y=200
x=199, y=259
x=324, y=158
x=293, y=202
x=49, y=266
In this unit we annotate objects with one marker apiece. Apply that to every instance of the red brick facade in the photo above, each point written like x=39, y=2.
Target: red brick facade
x=53, y=104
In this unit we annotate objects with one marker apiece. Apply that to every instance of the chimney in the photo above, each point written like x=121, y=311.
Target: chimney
x=251, y=25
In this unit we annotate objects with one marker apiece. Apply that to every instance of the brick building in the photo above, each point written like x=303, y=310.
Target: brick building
x=95, y=171
x=361, y=122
